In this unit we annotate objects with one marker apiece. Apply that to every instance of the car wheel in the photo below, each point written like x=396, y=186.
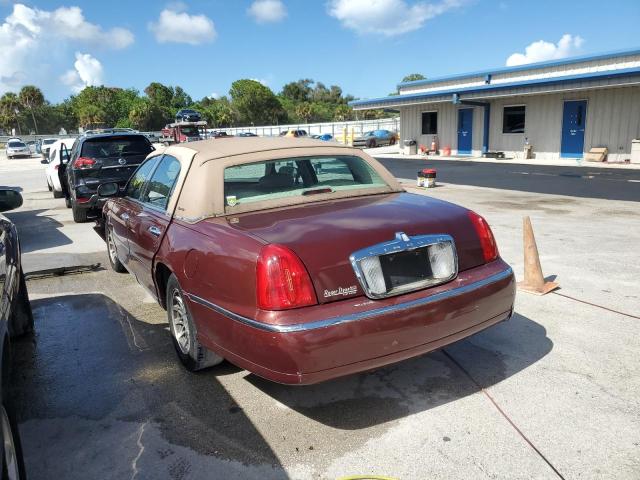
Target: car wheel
x=392, y=141
x=50, y=187
x=12, y=460
x=79, y=213
x=371, y=143
x=67, y=202
x=21, y=322
x=193, y=355
x=116, y=264
x=57, y=194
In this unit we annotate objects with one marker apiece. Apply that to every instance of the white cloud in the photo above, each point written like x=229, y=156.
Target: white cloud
x=267, y=11
x=35, y=43
x=387, y=17
x=541, y=51
x=176, y=26
x=88, y=72
x=261, y=80
x=214, y=96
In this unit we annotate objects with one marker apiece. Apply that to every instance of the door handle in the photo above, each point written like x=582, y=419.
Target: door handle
x=155, y=231
x=124, y=217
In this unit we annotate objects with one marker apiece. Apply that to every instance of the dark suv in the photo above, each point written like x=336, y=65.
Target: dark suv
x=96, y=159
x=188, y=115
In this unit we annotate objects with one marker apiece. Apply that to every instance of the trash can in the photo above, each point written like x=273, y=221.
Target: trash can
x=635, y=150
x=411, y=147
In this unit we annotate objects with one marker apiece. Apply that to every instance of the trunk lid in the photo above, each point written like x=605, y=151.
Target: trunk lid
x=325, y=234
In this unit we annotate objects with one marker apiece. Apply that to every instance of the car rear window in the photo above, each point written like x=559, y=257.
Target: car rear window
x=48, y=141
x=116, y=147
x=294, y=177
x=16, y=144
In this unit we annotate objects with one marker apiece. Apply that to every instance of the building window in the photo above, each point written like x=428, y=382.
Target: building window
x=513, y=119
x=429, y=123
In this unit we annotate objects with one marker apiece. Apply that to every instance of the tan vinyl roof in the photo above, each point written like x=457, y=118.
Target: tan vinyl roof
x=225, y=147
x=199, y=191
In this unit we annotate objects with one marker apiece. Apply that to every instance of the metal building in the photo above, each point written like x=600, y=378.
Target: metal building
x=560, y=108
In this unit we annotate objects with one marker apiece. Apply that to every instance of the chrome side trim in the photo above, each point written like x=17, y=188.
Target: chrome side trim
x=330, y=322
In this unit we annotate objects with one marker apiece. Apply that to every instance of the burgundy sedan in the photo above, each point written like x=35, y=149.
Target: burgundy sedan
x=301, y=261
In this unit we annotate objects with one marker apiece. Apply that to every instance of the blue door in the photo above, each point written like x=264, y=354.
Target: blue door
x=465, y=130
x=574, y=118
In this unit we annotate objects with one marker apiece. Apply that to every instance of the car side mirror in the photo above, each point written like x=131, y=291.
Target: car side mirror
x=9, y=199
x=44, y=161
x=109, y=189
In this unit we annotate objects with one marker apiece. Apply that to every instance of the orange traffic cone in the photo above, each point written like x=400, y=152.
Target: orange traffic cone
x=533, y=279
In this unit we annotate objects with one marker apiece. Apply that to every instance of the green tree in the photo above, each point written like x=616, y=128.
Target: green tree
x=10, y=110
x=255, y=103
x=159, y=94
x=31, y=97
x=304, y=111
x=180, y=99
x=412, y=77
x=343, y=113
x=299, y=91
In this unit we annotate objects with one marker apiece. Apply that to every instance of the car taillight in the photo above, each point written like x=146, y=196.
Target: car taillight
x=84, y=162
x=282, y=281
x=487, y=241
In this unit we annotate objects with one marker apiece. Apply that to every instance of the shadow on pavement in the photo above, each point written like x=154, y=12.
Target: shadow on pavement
x=92, y=361
x=418, y=384
x=37, y=232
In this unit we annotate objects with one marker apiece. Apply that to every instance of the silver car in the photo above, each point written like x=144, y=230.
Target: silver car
x=16, y=148
x=375, y=138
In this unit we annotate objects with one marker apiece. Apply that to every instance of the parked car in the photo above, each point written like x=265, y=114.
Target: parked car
x=301, y=261
x=57, y=157
x=188, y=115
x=216, y=134
x=294, y=133
x=96, y=159
x=46, y=144
x=33, y=146
x=325, y=137
x=17, y=148
x=16, y=319
x=246, y=134
x=376, y=138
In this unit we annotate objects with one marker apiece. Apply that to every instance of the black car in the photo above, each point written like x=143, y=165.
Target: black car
x=96, y=159
x=187, y=115
x=15, y=320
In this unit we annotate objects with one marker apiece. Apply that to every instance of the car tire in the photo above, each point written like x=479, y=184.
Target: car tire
x=192, y=354
x=12, y=459
x=79, y=213
x=114, y=261
x=57, y=194
x=67, y=202
x=371, y=143
x=392, y=141
x=21, y=322
x=50, y=187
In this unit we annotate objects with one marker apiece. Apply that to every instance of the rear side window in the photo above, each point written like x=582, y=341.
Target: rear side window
x=162, y=183
x=137, y=182
x=293, y=177
x=106, y=147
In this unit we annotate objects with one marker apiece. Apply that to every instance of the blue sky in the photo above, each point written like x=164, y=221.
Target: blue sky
x=351, y=43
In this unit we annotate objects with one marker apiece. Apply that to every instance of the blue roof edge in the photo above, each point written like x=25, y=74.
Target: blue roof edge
x=528, y=66
x=539, y=81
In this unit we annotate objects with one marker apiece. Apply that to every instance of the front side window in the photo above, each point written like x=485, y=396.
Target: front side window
x=162, y=183
x=513, y=119
x=137, y=182
x=429, y=123
x=295, y=177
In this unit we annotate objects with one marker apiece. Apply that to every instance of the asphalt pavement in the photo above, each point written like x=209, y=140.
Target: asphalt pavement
x=552, y=393
x=579, y=181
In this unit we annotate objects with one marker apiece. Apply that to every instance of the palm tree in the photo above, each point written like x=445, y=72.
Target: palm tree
x=31, y=97
x=10, y=108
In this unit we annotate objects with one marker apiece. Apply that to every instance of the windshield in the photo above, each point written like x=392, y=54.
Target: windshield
x=116, y=147
x=189, y=131
x=294, y=177
x=48, y=141
x=16, y=145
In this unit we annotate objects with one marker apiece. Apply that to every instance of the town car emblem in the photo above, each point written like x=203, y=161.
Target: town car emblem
x=122, y=161
x=352, y=290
